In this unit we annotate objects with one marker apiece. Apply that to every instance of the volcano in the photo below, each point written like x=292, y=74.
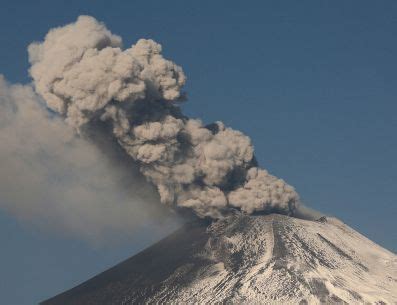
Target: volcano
x=265, y=259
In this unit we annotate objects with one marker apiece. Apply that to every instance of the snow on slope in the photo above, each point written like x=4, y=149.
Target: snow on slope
x=289, y=260
x=272, y=259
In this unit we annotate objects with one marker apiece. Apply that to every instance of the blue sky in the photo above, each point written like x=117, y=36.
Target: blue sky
x=313, y=83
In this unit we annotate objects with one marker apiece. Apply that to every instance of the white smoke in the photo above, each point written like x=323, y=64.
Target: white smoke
x=83, y=74
x=53, y=178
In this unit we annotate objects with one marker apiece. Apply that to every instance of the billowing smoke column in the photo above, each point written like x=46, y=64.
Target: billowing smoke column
x=83, y=74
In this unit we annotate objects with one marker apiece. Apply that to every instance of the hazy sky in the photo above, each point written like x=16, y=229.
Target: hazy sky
x=313, y=84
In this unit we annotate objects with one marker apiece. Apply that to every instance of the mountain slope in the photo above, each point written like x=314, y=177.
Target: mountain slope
x=249, y=259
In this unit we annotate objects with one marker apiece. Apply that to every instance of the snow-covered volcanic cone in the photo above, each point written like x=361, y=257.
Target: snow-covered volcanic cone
x=272, y=259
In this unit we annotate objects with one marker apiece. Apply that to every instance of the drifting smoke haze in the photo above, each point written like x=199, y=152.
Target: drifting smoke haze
x=55, y=179
x=113, y=103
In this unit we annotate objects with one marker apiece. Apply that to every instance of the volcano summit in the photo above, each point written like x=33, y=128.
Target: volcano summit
x=271, y=259
x=95, y=109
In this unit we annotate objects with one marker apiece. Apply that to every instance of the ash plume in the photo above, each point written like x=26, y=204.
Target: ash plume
x=83, y=73
x=58, y=181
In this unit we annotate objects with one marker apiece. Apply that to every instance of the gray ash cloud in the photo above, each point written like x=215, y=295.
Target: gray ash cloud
x=83, y=73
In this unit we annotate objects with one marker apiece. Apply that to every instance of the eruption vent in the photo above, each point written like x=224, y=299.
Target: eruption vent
x=83, y=74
